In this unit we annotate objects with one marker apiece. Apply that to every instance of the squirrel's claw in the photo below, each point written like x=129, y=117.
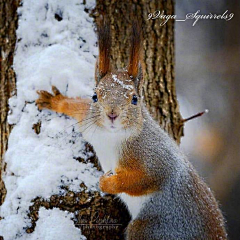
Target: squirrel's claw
x=44, y=94
x=45, y=98
x=55, y=91
x=109, y=173
x=108, y=183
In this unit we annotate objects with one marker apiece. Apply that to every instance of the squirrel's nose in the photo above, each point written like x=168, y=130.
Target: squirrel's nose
x=112, y=116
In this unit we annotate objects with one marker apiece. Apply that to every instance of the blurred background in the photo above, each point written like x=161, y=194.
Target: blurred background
x=208, y=77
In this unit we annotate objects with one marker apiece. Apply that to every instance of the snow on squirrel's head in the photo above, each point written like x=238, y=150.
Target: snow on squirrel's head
x=118, y=94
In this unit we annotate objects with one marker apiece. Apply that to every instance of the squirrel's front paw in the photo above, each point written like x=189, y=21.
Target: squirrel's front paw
x=46, y=100
x=108, y=183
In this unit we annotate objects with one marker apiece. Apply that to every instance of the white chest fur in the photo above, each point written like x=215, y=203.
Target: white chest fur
x=108, y=146
x=134, y=204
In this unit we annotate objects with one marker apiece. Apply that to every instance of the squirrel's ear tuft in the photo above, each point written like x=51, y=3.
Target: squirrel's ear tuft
x=104, y=45
x=135, y=66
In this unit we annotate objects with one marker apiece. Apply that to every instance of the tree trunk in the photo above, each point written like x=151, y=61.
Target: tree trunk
x=8, y=26
x=160, y=98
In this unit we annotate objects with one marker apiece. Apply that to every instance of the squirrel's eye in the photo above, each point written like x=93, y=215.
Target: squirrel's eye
x=94, y=97
x=134, y=100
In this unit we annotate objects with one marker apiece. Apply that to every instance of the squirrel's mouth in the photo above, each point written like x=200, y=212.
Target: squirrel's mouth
x=113, y=122
x=112, y=117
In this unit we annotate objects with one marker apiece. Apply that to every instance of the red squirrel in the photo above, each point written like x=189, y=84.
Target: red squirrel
x=142, y=164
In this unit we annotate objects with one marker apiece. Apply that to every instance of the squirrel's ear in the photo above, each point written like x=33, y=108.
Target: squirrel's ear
x=104, y=45
x=138, y=81
x=135, y=66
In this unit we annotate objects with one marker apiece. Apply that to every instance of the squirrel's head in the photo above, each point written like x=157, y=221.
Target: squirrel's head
x=118, y=94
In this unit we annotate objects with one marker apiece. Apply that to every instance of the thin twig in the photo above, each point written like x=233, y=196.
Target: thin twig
x=196, y=115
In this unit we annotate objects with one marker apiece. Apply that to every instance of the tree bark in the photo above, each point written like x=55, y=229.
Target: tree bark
x=160, y=98
x=8, y=26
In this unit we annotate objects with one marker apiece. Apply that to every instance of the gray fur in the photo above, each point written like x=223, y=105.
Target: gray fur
x=177, y=210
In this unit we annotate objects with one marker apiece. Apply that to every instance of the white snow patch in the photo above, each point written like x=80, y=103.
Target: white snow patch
x=50, y=226
x=115, y=79
x=49, y=52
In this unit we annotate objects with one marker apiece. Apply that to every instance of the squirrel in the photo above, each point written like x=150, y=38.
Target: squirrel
x=142, y=163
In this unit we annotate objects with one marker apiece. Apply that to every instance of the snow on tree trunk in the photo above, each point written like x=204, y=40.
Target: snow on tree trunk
x=52, y=174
